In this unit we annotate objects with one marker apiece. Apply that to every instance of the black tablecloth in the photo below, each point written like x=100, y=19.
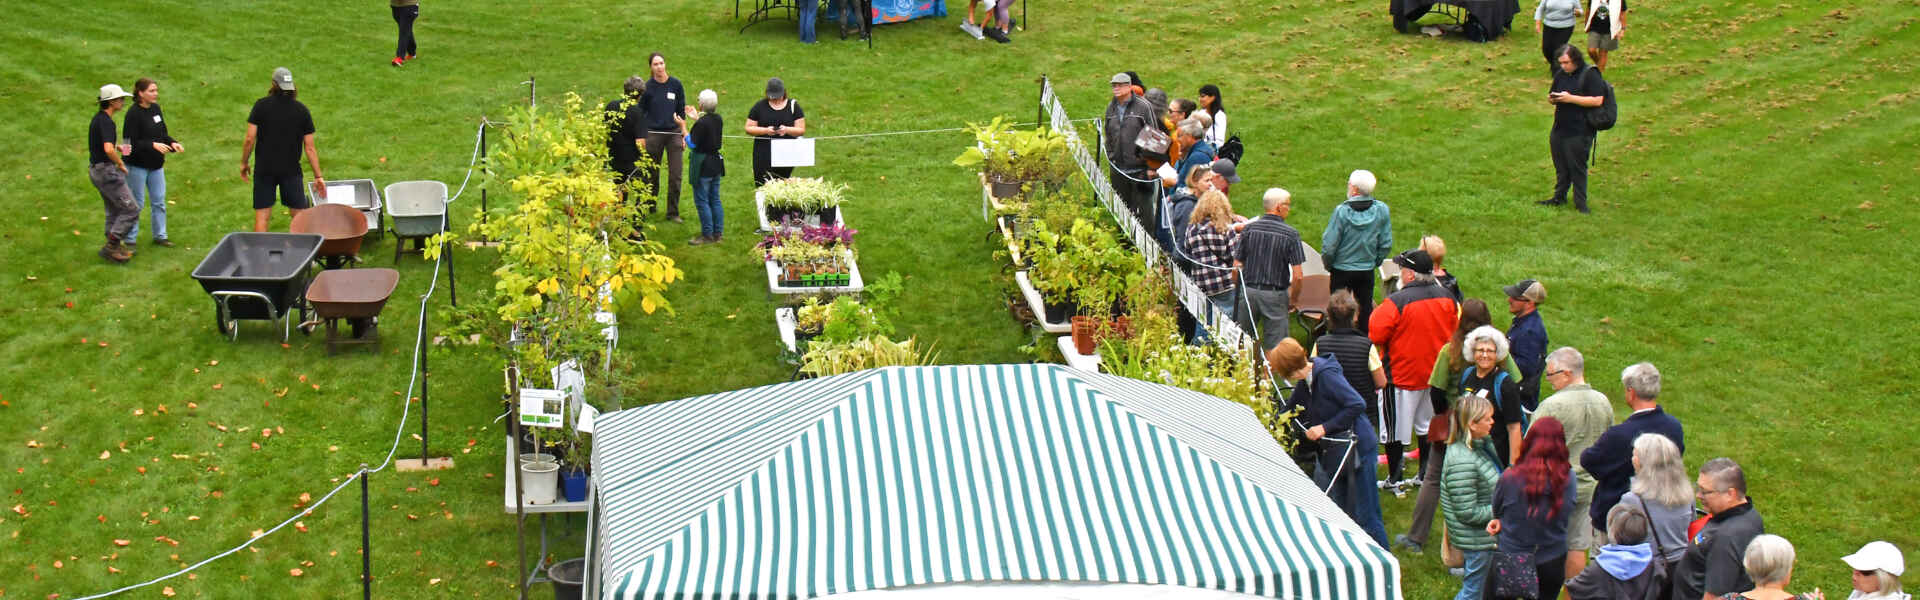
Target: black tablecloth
x=1495, y=16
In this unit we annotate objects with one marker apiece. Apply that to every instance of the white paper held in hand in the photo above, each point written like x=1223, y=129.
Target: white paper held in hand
x=796, y=152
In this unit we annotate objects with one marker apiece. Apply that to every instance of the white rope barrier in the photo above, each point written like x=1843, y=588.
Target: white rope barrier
x=413, y=379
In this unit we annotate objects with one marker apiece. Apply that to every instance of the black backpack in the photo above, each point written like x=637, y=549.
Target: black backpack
x=1231, y=150
x=1603, y=117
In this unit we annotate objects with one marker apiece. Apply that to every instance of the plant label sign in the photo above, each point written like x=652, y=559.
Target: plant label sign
x=797, y=152
x=543, y=408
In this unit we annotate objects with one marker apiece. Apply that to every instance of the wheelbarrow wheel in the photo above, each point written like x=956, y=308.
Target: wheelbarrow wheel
x=226, y=326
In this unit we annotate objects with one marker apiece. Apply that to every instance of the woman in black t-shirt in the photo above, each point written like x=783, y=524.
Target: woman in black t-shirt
x=1575, y=89
x=1486, y=347
x=147, y=132
x=775, y=117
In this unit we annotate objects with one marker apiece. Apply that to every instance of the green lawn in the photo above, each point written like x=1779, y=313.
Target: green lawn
x=1759, y=188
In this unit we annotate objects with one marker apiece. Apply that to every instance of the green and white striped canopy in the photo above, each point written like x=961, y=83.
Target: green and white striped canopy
x=911, y=476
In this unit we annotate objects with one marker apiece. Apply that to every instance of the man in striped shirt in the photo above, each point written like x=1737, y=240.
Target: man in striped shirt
x=1269, y=258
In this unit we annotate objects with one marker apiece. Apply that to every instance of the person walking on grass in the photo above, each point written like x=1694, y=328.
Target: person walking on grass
x=1357, y=238
x=1584, y=414
x=146, y=131
x=109, y=174
x=708, y=167
x=283, y=129
x=1127, y=113
x=662, y=104
x=1606, y=24
x=1554, y=21
x=404, y=13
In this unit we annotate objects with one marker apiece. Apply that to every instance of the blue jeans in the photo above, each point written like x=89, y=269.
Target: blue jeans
x=151, y=185
x=1222, y=302
x=1474, y=588
x=809, y=10
x=1356, y=489
x=706, y=201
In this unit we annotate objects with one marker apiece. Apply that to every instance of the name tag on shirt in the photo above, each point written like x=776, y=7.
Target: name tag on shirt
x=156, y=118
x=670, y=96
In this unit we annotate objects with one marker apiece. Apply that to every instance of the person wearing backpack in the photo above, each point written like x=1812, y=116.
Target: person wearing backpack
x=1486, y=347
x=1577, y=91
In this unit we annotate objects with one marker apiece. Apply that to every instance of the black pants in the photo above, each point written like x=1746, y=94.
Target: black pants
x=404, y=16
x=1552, y=574
x=1570, y=166
x=1551, y=39
x=1361, y=283
x=1137, y=196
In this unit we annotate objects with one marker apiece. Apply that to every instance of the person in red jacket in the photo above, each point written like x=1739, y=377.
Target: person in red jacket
x=1409, y=327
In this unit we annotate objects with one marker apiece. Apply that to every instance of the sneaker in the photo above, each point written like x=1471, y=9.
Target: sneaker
x=410, y=56
x=397, y=61
x=998, y=35
x=163, y=242
x=699, y=240
x=1404, y=542
x=1385, y=483
x=1459, y=572
x=1551, y=202
x=972, y=30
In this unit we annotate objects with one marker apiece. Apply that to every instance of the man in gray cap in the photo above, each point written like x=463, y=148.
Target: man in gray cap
x=283, y=129
x=1126, y=116
x=1224, y=175
x=109, y=173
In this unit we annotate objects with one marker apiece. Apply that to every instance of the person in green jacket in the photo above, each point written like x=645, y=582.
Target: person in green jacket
x=1358, y=237
x=1466, y=489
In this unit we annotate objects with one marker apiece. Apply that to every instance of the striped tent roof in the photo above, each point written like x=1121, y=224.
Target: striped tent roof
x=911, y=476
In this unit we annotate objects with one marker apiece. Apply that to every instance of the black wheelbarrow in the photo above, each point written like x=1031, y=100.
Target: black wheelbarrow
x=258, y=276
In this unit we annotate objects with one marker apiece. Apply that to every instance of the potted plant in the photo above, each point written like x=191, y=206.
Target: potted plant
x=1013, y=160
x=574, y=470
x=810, y=199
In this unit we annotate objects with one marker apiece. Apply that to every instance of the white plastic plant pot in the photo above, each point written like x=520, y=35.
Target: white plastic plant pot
x=541, y=481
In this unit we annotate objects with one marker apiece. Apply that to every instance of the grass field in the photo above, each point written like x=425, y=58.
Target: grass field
x=1752, y=214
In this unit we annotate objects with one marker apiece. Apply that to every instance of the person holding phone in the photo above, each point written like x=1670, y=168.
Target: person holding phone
x=773, y=117
x=1575, y=90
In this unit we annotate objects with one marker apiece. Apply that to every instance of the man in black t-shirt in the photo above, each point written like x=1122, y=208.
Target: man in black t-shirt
x=109, y=173
x=283, y=129
x=1576, y=89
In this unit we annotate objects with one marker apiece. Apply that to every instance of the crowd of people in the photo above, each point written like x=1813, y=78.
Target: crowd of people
x=652, y=116
x=127, y=165
x=1537, y=495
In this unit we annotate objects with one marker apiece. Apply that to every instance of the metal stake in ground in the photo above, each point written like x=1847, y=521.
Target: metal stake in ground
x=424, y=463
x=366, y=539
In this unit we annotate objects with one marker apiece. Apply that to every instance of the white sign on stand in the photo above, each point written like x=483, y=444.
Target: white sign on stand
x=568, y=378
x=543, y=408
x=796, y=152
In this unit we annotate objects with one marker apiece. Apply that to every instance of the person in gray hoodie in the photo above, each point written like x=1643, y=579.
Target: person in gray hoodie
x=1358, y=237
x=1625, y=568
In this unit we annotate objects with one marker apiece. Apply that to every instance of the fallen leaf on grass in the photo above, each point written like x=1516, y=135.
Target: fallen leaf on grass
x=300, y=525
x=33, y=444
x=106, y=454
x=123, y=543
x=296, y=572
x=218, y=385
x=493, y=564
x=193, y=517
x=281, y=394
x=166, y=540
x=434, y=482
x=256, y=445
x=167, y=591
x=59, y=565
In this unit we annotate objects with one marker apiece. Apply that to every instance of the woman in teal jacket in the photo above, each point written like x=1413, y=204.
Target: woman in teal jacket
x=1466, y=489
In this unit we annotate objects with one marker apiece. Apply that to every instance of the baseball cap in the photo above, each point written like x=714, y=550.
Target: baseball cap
x=1526, y=289
x=1224, y=168
x=776, y=89
x=112, y=91
x=1877, y=556
x=1119, y=78
x=283, y=79
x=1416, y=260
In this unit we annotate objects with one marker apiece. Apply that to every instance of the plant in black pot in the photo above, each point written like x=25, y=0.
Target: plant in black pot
x=1015, y=162
x=811, y=200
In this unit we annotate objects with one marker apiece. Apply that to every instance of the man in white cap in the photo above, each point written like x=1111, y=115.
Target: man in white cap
x=283, y=129
x=1876, y=572
x=109, y=173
